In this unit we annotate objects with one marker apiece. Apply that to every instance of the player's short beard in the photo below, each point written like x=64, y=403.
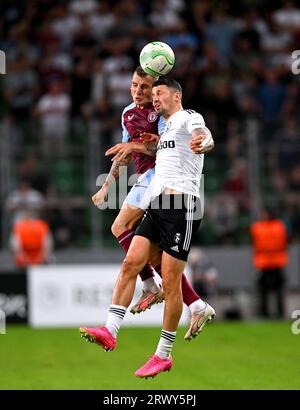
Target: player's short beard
x=162, y=112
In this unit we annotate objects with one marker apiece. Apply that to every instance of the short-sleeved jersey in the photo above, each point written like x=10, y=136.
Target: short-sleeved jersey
x=177, y=166
x=136, y=120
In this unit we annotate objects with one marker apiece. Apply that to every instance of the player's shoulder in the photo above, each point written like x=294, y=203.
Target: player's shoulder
x=194, y=119
x=129, y=107
x=191, y=114
x=189, y=111
x=187, y=115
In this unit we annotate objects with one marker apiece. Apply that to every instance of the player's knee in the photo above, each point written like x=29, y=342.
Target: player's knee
x=129, y=266
x=119, y=227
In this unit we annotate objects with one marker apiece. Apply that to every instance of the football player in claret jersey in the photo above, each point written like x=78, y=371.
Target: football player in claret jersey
x=140, y=118
x=179, y=164
x=137, y=117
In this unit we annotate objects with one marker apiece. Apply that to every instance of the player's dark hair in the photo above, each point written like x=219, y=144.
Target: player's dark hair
x=168, y=82
x=141, y=73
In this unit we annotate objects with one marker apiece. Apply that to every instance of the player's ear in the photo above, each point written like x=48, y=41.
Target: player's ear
x=177, y=96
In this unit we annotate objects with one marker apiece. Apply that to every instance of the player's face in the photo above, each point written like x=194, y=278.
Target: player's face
x=165, y=100
x=141, y=89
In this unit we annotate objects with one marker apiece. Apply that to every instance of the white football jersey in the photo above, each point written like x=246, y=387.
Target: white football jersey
x=177, y=166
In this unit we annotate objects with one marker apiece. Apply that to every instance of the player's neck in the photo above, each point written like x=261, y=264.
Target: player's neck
x=141, y=107
x=169, y=114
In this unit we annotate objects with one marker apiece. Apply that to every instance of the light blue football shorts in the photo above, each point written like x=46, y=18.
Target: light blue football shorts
x=137, y=193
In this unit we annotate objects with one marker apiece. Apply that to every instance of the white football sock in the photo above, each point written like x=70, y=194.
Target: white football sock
x=165, y=344
x=115, y=317
x=197, y=306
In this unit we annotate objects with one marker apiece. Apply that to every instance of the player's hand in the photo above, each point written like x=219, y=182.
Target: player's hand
x=202, y=142
x=147, y=137
x=100, y=196
x=120, y=151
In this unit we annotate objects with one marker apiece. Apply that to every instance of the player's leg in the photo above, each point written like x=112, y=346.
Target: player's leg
x=124, y=226
x=199, y=310
x=150, y=298
x=172, y=269
x=174, y=238
x=135, y=259
x=127, y=219
x=189, y=295
x=123, y=229
x=106, y=336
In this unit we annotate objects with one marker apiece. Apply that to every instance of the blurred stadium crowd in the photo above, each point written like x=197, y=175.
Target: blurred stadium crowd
x=69, y=64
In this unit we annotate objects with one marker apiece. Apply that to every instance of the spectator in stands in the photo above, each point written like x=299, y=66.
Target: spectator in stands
x=241, y=68
x=24, y=199
x=31, y=241
x=275, y=39
x=221, y=31
x=270, y=240
x=32, y=170
x=118, y=84
x=295, y=179
x=287, y=140
x=101, y=21
x=245, y=56
x=164, y=16
x=98, y=85
x=288, y=17
x=64, y=24
x=81, y=84
x=272, y=97
x=236, y=183
x=53, y=111
x=204, y=274
x=223, y=211
x=20, y=86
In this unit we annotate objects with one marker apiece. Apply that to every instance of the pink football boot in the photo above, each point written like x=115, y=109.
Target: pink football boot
x=154, y=366
x=99, y=335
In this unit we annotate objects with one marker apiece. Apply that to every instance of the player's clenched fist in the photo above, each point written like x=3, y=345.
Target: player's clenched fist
x=202, y=141
x=100, y=196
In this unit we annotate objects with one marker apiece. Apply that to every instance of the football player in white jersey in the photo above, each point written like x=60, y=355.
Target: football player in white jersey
x=176, y=183
x=132, y=211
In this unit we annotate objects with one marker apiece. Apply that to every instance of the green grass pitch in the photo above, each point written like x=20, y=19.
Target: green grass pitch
x=264, y=355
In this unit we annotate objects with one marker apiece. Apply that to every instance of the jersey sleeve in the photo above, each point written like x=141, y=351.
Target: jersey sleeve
x=193, y=121
x=125, y=133
x=161, y=125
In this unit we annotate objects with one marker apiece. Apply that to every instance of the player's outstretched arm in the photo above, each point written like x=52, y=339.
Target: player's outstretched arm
x=101, y=196
x=122, y=150
x=150, y=141
x=202, y=141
